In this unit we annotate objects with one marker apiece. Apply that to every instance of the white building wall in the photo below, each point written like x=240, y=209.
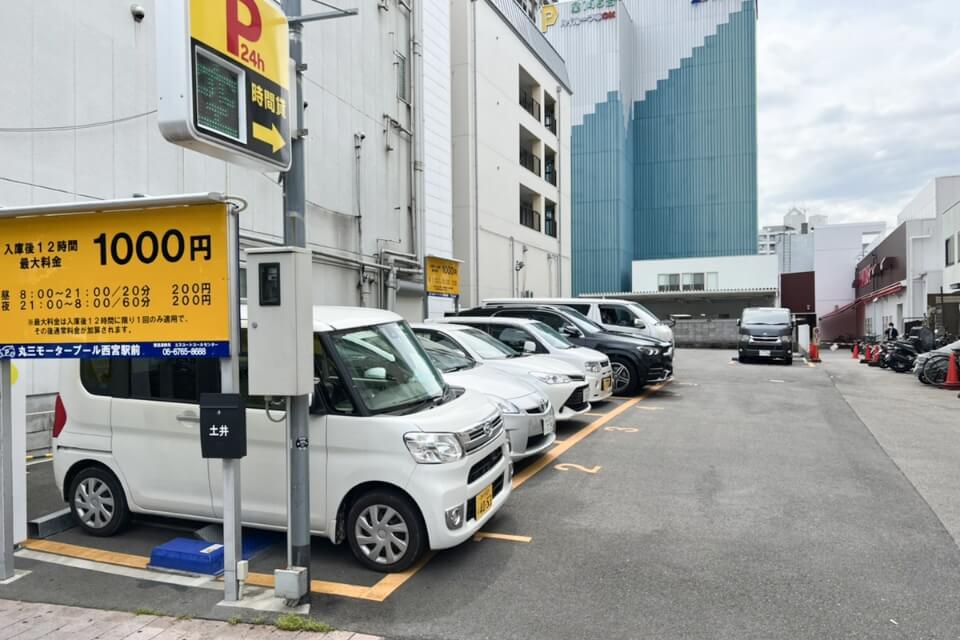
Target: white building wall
x=948, y=210
x=487, y=173
x=733, y=272
x=72, y=64
x=838, y=248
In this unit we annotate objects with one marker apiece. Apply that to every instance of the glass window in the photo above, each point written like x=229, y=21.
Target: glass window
x=485, y=346
x=693, y=281
x=950, y=253
x=331, y=385
x=668, y=282
x=552, y=337
x=712, y=281
x=387, y=367
x=513, y=337
x=402, y=90
x=447, y=360
x=437, y=338
x=617, y=315
x=766, y=316
x=174, y=379
x=643, y=313
x=581, y=308
x=105, y=377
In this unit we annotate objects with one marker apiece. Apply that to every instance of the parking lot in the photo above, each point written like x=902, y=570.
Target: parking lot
x=738, y=501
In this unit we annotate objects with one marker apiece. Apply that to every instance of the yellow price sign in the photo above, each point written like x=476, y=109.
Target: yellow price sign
x=443, y=276
x=138, y=283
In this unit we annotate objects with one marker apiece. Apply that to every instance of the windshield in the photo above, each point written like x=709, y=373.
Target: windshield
x=643, y=313
x=551, y=336
x=446, y=359
x=387, y=367
x=484, y=346
x=583, y=322
x=766, y=316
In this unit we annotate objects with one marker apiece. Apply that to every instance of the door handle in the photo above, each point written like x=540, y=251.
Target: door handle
x=188, y=416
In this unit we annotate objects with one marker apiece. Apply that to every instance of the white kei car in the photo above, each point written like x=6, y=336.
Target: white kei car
x=527, y=414
x=533, y=336
x=563, y=383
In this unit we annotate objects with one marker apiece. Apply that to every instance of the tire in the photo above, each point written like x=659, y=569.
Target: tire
x=367, y=523
x=935, y=370
x=97, y=502
x=626, y=381
x=789, y=360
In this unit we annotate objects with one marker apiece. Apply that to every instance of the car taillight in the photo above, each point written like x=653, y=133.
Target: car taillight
x=59, y=417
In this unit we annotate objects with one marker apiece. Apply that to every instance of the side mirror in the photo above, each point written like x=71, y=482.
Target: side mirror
x=376, y=373
x=670, y=323
x=529, y=346
x=571, y=331
x=639, y=324
x=738, y=323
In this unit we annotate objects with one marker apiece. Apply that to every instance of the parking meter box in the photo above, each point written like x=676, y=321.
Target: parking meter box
x=223, y=426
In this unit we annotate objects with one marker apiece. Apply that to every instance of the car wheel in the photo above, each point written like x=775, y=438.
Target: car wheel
x=97, y=502
x=935, y=370
x=789, y=360
x=385, y=532
x=625, y=379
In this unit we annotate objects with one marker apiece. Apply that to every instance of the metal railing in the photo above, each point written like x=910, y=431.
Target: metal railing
x=529, y=217
x=550, y=122
x=550, y=223
x=529, y=104
x=550, y=174
x=530, y=161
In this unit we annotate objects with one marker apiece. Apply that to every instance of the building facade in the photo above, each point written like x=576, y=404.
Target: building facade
x=511, y=154
x=664, y=131
x=838, y=248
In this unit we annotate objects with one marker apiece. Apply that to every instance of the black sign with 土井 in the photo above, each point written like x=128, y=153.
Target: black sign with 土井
x=223, y=426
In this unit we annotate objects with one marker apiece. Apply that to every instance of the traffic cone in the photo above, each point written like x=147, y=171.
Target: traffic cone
x=953, y=375
x=856, y=351
x=814, y=352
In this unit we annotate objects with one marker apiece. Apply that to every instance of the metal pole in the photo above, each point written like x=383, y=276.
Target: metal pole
x=295, y=234
x=230, y=383
x=6, y=471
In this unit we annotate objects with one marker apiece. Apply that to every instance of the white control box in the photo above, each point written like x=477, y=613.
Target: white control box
x=279, y=321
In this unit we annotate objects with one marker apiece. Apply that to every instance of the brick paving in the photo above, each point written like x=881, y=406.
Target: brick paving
x=29, y=620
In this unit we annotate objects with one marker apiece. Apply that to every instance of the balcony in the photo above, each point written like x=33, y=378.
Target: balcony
x=530, y=161
x=529, y=217
x=529, y=105
x=550, y=173
x=550, y=221
x=550, y=121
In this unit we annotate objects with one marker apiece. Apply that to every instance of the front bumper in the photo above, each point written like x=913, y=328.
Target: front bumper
x=438, y=487
x=779, y=351
x=530, y=434
x=595, y=382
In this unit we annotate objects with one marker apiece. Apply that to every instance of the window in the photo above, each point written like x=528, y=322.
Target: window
x=174, y=379
x=434, y=338
x=579, y=308
x=668, y=282
x=616, y=315
x=550, y=221
x=402, y=86
x=712, y=281
x=693, y=281
x=514, y=337
x=105, y=377
x=951, y=254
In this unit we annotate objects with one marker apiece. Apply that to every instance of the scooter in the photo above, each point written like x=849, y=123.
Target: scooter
x=900, y=355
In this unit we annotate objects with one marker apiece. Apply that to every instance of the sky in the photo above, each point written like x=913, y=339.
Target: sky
x=859, y=104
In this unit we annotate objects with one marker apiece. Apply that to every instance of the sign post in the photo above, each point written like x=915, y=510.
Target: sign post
x=443, y=278
x=132, y=278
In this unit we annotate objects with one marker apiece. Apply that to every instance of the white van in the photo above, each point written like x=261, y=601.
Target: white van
x=401, y=461
x=616, y=315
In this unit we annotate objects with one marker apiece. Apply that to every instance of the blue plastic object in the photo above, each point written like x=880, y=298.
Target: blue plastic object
x=199, y=556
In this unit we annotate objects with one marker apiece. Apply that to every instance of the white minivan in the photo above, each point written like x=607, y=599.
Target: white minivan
x=615, y=315
x=401, y=461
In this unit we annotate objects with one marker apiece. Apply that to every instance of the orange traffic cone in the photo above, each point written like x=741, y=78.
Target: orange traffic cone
x=856, y=351
x=953, y=375
x=814, y=353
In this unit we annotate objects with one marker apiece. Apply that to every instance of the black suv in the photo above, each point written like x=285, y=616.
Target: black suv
x=636, y=360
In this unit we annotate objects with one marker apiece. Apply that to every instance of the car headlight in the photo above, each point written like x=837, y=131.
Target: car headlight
x=594, y=367
x=551, y=378
x=433, y=448
x=504, y=405
x=785, y=339
x=650, y=351
x=744, y=338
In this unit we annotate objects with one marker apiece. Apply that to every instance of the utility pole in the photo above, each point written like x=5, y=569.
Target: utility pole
x=295, y=235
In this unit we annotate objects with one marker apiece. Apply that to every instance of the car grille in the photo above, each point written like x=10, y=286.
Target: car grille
x=540, y=408
x=765, y=339
x=472, y=503
x=481, y=434
x=577, y=377
x=577, y=399
x=489, y=462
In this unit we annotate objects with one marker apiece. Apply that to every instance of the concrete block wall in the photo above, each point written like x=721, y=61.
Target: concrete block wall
x=707, y=332
x=39, y=421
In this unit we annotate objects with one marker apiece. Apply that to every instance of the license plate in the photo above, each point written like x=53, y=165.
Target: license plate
x=764, y=354
x=606, y=383
x=549, y=425
x=484, y=501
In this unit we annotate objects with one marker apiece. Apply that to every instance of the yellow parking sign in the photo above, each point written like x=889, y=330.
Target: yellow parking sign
x=443, y=277
x=137, y=283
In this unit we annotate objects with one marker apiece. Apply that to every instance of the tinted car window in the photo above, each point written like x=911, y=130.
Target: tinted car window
x=105, y=377
x=766, y=316
x=613, y=314
x=174, y=379
x=582, y=308
x=513, y=337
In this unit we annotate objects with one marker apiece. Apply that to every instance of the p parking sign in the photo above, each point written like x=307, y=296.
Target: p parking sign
x=224, y=79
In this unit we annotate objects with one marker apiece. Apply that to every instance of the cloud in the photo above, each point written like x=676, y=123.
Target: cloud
x=858, y=105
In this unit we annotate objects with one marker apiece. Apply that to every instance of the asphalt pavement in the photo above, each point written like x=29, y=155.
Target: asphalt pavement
x=740, y=501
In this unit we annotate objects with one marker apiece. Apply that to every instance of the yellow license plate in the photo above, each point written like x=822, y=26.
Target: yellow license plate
x=607, y=383
x=484, y=501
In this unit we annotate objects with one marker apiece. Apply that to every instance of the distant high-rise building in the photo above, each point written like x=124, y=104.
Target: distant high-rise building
x=664, y=153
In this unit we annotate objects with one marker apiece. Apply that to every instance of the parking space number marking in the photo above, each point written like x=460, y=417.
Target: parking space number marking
x=566, y=466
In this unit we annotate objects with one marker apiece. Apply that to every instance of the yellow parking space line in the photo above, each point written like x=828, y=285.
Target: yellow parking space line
x=393, y=581
x=547, y=459
x=86, y=553
x=483, y=535
x=42, y=456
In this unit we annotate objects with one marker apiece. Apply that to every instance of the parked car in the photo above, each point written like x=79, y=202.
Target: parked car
x=636, y=360
x=618, y=315
x=393, y=448
x=562, y=383
x=533, y=336
x=527, y=414
x=765, y=333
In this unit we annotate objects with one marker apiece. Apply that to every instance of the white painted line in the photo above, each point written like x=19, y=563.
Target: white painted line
x=33, y=462
x=260, y=599
x=17, y=574
x=202, y=582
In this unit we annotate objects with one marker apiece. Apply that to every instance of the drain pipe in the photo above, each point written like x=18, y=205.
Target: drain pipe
x=363, y=285
x=418, y=187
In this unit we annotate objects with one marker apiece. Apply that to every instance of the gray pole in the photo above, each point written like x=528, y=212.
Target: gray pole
x=295, y=235
x=230, y=383
x=6, y=471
